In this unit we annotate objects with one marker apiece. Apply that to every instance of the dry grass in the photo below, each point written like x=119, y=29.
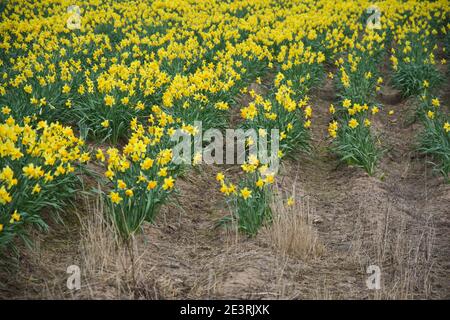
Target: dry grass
x=291, y=232
x=98, y=241
x=105, y=263
x=401, y=247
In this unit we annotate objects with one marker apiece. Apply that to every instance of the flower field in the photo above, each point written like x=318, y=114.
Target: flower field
x=93, y=94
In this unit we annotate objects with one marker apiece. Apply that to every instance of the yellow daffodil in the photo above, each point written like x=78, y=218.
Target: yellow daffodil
x=246, y=193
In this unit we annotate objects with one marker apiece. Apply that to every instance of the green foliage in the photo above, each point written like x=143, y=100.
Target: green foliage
x=253, y=211
x=357, y=147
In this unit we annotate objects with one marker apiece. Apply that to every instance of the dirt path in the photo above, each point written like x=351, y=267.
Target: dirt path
x=399, y=222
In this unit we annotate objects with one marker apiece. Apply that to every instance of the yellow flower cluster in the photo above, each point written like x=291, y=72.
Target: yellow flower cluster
x=38, y=164
x=259, y=174
x=144, y=165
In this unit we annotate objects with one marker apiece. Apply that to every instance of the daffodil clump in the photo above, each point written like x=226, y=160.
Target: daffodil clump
x=280, y=111
x=350, y=129
x=285, y=108
x=435, y=137
x=414, y=64
x=249, y=200
x=301, y=63
x=141, y=176
x=357, y=82
x=38, y=164
x=353, y=140
x=413, y=60
x=358, y=77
